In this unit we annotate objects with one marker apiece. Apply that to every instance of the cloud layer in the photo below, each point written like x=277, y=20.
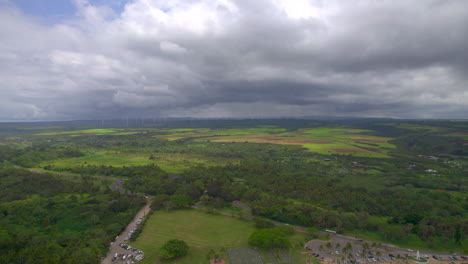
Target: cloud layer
x=225, y=58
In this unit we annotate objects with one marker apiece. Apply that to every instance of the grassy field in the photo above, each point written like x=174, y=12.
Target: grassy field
x=202, y=231
x=170, y=162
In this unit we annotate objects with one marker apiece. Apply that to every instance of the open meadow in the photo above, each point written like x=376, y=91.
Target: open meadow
x=203, y=232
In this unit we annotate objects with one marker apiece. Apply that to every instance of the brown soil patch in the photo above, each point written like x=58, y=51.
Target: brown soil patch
x=462, y=134
x=374, y=149
x=349, y=150
x=461, y=142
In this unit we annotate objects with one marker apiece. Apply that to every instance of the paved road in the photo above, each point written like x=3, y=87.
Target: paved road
x=115, y=247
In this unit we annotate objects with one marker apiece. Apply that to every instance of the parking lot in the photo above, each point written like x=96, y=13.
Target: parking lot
x=343, y=250
x=119, y=251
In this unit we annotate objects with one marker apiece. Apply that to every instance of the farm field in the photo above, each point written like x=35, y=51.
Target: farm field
x=204, y=231
x=358, y=142
x=323, y=140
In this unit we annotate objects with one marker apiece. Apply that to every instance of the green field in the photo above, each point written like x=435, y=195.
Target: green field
x=91, y=132
x=202, y=231
x=324, y=140
x=357, y=142
x=170, y=162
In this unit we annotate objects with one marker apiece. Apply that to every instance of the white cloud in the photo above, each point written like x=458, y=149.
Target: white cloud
x=233, y=57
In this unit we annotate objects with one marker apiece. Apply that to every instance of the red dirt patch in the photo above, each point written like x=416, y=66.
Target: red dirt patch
x=461, y=142
x=374, y=149
x=349, y=150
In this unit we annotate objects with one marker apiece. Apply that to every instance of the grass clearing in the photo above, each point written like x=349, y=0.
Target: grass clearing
x=202, y=231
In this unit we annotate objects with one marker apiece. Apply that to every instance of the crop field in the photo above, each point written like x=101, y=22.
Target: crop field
x=324, y=140
x=357, y=142
x=205, y=232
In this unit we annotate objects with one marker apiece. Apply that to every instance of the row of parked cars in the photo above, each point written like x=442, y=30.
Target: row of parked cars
x=453, y=258
x=138, y=223
x=367, y=257
x=130, y=258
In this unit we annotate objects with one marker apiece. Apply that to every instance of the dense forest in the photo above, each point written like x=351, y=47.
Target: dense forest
x=45, y=219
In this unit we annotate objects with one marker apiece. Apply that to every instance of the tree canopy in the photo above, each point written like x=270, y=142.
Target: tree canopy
x=269, y=239
x=174, y=248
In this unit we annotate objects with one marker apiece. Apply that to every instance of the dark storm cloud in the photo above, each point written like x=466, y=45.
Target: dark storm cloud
x=235, y=58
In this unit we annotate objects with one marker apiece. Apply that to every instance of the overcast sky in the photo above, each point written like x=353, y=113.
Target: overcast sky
x=101, y=59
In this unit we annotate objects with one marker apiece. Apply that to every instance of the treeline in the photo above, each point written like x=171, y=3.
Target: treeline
x=44, y=219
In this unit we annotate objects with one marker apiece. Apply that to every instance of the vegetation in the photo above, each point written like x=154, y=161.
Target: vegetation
x=44, y=219
x=174, y=248
x=269, y=239
x=204, y=233
x=402, y=182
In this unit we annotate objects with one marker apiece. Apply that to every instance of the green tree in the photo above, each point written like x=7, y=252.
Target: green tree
x=174, y=248
x=182, y=200
x=261, y=223
x=269, y=239
x=158, y=201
